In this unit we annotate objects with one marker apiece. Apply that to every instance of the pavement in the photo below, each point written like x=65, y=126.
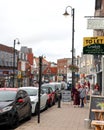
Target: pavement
x=65, y=117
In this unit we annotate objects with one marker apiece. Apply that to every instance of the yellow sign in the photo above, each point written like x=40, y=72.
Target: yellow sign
x=87, y=41
x=19, y=75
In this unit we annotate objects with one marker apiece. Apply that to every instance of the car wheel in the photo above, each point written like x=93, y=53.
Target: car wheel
x=36, y=109
x=29, y=114
x=46, y=106
x=56, y=99
x=50, y=103
x=14, y=122
x=54, y=102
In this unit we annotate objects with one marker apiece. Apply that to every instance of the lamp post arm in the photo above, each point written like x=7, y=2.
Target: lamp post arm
x=70, y=8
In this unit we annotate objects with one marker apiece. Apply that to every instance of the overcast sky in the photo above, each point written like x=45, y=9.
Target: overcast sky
x=40, y=25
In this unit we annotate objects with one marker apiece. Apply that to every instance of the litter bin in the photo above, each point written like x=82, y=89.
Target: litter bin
x=87, y=123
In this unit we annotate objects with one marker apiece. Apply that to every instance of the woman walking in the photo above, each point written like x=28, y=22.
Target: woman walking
x=82, y=91
x=76, y=96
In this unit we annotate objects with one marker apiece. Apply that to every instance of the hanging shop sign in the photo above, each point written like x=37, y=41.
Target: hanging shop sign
x=96, y=23
x=93, y=45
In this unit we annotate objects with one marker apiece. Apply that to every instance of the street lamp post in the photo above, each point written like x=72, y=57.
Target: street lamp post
x=40, y=82
x=72, y=14
x=16, y=41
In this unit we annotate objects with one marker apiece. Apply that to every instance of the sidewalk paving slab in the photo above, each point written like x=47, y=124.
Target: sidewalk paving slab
x=64, y=118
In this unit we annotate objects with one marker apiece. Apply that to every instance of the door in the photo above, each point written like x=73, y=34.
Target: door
x=43, y=99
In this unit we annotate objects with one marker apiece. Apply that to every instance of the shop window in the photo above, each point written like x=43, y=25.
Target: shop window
x=98, y=4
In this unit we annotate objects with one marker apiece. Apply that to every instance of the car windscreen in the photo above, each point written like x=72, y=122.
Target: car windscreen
x=45, y=89
x=7, y=95
x=31, y=92
x=58, y=86
x=53, y=87
x=50, y=85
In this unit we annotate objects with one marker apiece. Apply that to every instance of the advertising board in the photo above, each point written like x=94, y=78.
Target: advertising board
x=93, y=45
x=95, y=23
x=66, y=96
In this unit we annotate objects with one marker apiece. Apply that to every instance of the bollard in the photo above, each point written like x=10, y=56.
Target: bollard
x=59, y=100
x=87, y=123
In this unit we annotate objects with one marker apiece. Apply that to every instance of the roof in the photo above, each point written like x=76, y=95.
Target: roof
x=52, y=70
x=29, y=87
x=11, y=89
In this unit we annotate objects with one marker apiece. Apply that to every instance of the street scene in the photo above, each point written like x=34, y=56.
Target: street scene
x=52, y=65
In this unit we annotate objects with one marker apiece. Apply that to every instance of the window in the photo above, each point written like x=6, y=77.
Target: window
x=21, y=94
x=98, y=4
x=42, y=91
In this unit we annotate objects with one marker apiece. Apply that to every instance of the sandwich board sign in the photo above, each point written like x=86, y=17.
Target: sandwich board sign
x=93, y=45
x=66, y=96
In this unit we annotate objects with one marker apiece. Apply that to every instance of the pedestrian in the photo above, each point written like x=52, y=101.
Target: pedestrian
x=88, y=83
x=76, y=96
x=36, y=84
x=87, y=86
x=96, y=87
x=82, y=91
x=79, y=85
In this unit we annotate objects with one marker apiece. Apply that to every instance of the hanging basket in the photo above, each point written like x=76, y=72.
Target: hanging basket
x=73, y=68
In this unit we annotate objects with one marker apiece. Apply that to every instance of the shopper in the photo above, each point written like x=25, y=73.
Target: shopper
x=82, y=91
x=96, y=87
x=76, y=96
x=36, y=84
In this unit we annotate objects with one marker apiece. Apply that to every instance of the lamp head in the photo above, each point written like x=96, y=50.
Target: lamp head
x=18, y=42
x=66, y=13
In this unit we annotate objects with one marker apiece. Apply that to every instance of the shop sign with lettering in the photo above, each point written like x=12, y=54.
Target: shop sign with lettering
x=93, y=45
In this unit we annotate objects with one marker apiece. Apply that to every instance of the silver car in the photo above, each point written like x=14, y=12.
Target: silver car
x=33, y=93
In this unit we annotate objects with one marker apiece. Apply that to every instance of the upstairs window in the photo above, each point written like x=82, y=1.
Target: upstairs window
x=98, y=4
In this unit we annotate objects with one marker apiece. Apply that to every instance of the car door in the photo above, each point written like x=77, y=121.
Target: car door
x=21, y=105
x=43, y=99
x=26, y=102
x=52, y=94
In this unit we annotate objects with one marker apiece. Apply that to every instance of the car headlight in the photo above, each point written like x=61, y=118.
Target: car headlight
x=6, y=109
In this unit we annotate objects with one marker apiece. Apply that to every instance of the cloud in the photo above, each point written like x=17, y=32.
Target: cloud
x=41, y=26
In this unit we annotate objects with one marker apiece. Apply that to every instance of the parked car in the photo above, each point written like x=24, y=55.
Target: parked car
x=33, y=93
x=69, y=86
x=55, y=87
x=59, y=85
x=51, y=95
x=15, y=105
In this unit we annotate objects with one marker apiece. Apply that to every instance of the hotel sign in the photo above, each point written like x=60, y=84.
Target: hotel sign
x=96, y=23
x=93, y=45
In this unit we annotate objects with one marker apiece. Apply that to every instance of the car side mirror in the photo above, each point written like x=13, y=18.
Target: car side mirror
x=20, y=100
